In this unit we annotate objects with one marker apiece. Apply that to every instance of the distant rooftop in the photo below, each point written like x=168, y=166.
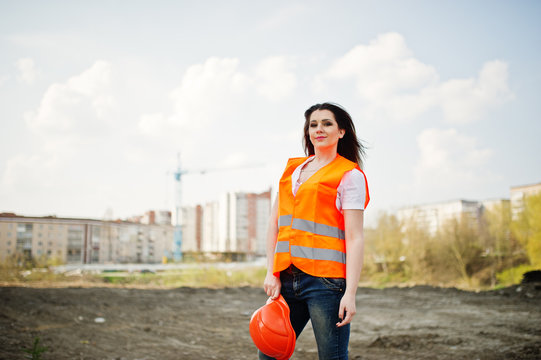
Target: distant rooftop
x=49, y=217
x=523, y=187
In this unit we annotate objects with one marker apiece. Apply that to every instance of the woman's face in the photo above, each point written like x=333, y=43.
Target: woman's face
x=323, y=130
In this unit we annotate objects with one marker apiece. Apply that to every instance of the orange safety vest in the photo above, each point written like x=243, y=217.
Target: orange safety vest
x=311, y=232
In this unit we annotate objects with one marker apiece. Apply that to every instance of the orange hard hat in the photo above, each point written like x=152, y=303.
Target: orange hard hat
x=271, y=329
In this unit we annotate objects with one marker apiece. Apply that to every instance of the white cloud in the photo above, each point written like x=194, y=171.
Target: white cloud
x=215, y=101
x=386, y=75
x=27, y=70
x=394, y=84
x=71, y=153
x=464, y=100
x=207, y=89
x=385, y=67
x=449, y=163
x=75, y=109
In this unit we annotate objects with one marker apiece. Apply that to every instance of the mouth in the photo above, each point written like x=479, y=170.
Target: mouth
x=320, y=137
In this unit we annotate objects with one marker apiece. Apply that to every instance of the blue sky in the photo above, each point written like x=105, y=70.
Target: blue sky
x=97, y=98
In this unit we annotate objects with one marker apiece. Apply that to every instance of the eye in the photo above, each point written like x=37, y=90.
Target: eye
x=328, y=123
x=313, y=124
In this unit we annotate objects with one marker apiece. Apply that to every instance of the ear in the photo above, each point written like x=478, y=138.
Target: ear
x=342, y=133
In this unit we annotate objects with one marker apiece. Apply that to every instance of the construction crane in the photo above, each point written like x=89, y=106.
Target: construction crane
x=177, y=210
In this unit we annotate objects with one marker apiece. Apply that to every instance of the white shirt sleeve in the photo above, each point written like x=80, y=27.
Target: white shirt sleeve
x=351, y=191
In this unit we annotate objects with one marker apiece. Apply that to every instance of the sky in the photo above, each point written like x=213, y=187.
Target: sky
x=97, y=99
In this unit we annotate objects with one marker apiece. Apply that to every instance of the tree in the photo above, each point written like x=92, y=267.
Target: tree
x=461, y=249
x=496, y=241
x=496, y=223
x=419, y=249
x=384, y=244
x=526, y=227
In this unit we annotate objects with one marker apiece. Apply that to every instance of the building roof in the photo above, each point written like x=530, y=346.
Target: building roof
x=524, y=187
x=8, y=215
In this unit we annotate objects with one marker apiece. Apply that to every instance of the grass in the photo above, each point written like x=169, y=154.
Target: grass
x=34, y=353
x=202, y=276
x=382, y=280
x=212, y=276
x=513, y=275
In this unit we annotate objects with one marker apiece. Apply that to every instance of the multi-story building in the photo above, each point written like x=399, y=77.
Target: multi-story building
x=495, y=204
x=259, y=208
x=247, y=221
x=191, y=229
x=85, y=241
x=519, y=193
x=236, y=224
x=157, y=217
x=433, y=216
x=209, y=228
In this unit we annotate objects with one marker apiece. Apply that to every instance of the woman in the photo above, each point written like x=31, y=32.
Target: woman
x=317, y=216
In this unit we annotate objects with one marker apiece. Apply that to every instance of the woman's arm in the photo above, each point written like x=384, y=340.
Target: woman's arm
x=353, y=221
x=272, y=284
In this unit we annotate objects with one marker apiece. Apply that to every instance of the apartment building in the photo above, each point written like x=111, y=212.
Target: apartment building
x=235, y=224
x=433, y=216
x=209, y=228
x=519, y=193
x=84, y=241
x=259, y=208
x=192, y=228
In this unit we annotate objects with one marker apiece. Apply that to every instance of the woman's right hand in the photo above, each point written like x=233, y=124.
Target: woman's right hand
x=272, y=285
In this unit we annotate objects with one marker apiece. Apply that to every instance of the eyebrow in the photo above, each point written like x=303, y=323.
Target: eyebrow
x=321, y=120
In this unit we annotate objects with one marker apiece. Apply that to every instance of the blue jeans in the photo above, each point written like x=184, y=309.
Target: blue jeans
x=316, y=299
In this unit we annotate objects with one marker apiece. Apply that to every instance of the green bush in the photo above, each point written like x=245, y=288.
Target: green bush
x=513, y=275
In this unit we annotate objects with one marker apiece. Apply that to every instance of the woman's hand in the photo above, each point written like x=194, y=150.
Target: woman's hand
x=272, y=285
x=347, y=309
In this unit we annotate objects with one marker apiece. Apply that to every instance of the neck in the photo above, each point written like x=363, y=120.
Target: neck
x=324, y=156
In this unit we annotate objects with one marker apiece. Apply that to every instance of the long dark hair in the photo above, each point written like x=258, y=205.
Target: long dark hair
x=349, y=146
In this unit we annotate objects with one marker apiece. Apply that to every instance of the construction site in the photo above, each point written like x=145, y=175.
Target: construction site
x=191, y=323
x=138, y=289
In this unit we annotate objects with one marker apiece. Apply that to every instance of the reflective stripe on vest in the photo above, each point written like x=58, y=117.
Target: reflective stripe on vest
x=282, y=247
x=310, y=226
x=311, y=253
x=318, y=229
x=318, y=254
x=285, y=220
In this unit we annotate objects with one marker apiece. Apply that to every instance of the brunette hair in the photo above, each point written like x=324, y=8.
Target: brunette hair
x=349, y=146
